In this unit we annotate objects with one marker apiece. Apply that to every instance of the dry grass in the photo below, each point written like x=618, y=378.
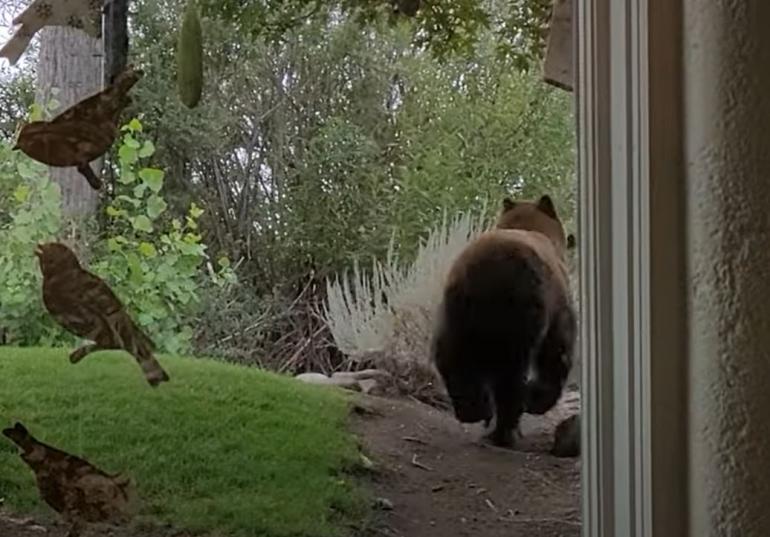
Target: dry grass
x=384, y=317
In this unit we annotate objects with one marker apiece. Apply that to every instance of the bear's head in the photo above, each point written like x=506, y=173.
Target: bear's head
x=537, y=216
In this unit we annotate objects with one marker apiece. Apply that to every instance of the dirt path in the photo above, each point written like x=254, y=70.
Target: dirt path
x=439, y=480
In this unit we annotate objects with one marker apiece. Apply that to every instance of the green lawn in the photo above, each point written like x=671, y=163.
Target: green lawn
x=222, y=449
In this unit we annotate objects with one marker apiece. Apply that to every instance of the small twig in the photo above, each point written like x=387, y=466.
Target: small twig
x=549, y=482
x=533, y=520
x=499, y=449
x=387, y=530
x=415, y=440
x=418, y=464
x=490, y=505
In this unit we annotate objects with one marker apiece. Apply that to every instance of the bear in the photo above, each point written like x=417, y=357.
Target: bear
x=506, y=327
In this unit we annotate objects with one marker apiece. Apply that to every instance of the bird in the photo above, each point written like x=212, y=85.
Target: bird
x=72, y=486
x=85, y=15
x=84, y=305
x=83, y=132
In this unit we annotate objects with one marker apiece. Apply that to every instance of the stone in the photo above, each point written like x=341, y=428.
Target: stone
x=365, y=374
x=567, y=438
x=384, y=504
x=369, y=386
x=321, y=379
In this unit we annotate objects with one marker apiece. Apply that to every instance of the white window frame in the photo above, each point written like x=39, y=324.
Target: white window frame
x=632, y=268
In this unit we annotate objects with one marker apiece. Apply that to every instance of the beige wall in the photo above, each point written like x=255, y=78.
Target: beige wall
x=727, y=136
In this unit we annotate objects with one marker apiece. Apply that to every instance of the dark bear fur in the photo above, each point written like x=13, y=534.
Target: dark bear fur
x=506, y=327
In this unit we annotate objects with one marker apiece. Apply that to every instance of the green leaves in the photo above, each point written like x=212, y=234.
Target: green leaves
x=133, y=126
x=21, y=194
x=141, y=223
x=153, y=178
x=147, y=249
x=147, y=150
x=154, y=262
x=155, y=206
x=29, y=213
x=127, y=155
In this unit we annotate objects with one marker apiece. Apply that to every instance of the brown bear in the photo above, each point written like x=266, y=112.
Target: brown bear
x=506, y=326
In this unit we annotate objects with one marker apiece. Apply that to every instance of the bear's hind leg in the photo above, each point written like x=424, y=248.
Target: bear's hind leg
x=509, y=405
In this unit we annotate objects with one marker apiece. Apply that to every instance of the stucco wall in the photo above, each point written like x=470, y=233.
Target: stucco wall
x=727, y=123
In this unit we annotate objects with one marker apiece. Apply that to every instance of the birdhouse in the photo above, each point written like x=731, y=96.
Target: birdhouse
x=558, y=66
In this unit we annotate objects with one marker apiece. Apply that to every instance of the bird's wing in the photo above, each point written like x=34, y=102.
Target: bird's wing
x=28, y=15
x=16, y=46
x=97, y=295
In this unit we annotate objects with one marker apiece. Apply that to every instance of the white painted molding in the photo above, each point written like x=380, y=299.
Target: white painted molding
x=633, y=292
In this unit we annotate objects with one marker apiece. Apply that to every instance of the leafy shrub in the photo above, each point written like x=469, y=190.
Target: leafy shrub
x=31, y=214
x=156, y=263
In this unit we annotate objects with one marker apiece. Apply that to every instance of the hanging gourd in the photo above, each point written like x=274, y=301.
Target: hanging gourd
x=189, y=57
x=83, y=15
x=83, y=132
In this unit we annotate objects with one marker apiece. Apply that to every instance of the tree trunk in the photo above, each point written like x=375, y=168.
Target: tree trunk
x=115, y=38
x=71, y=61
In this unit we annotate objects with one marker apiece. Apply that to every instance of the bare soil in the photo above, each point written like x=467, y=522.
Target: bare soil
x=15, y=526
x=435, y=477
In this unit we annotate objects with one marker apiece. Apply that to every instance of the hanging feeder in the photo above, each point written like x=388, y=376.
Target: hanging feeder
x=189, y=58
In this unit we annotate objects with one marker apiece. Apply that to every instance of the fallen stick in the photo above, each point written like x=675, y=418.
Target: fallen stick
x=418, y=464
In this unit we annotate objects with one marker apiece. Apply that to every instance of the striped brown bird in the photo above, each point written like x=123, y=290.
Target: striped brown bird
x=72, y=486
x=83, y=132
x=85, y=305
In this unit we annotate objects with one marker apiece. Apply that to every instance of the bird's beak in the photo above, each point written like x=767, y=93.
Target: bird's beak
x=40, y=250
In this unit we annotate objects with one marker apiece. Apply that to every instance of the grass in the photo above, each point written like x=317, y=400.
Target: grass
x=220, y=449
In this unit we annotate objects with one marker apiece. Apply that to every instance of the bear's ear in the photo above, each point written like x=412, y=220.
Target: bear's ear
x=545, y=204
x=571, y=242
x=508, y=204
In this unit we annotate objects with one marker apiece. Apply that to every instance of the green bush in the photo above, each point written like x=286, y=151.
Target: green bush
x=156, y=263
x=31, y=214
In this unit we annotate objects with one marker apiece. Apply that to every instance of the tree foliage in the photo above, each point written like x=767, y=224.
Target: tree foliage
x=443, y=27
x=326, y=130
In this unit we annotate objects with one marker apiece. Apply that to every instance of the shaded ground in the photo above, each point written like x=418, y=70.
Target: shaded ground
x=440, y=480
x=15, y=526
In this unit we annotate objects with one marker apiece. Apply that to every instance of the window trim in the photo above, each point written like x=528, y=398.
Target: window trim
x=632, y=267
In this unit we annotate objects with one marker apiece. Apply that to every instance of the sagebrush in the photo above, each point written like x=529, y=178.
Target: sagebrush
x=384, y=317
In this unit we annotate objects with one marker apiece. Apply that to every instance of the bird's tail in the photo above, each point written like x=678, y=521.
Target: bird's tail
x=86, y=171
x=126, y=79
x=16, y=46
x=20, y=436
x=143, y=348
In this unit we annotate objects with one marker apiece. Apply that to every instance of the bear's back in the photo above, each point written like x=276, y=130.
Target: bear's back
x=529, y=246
